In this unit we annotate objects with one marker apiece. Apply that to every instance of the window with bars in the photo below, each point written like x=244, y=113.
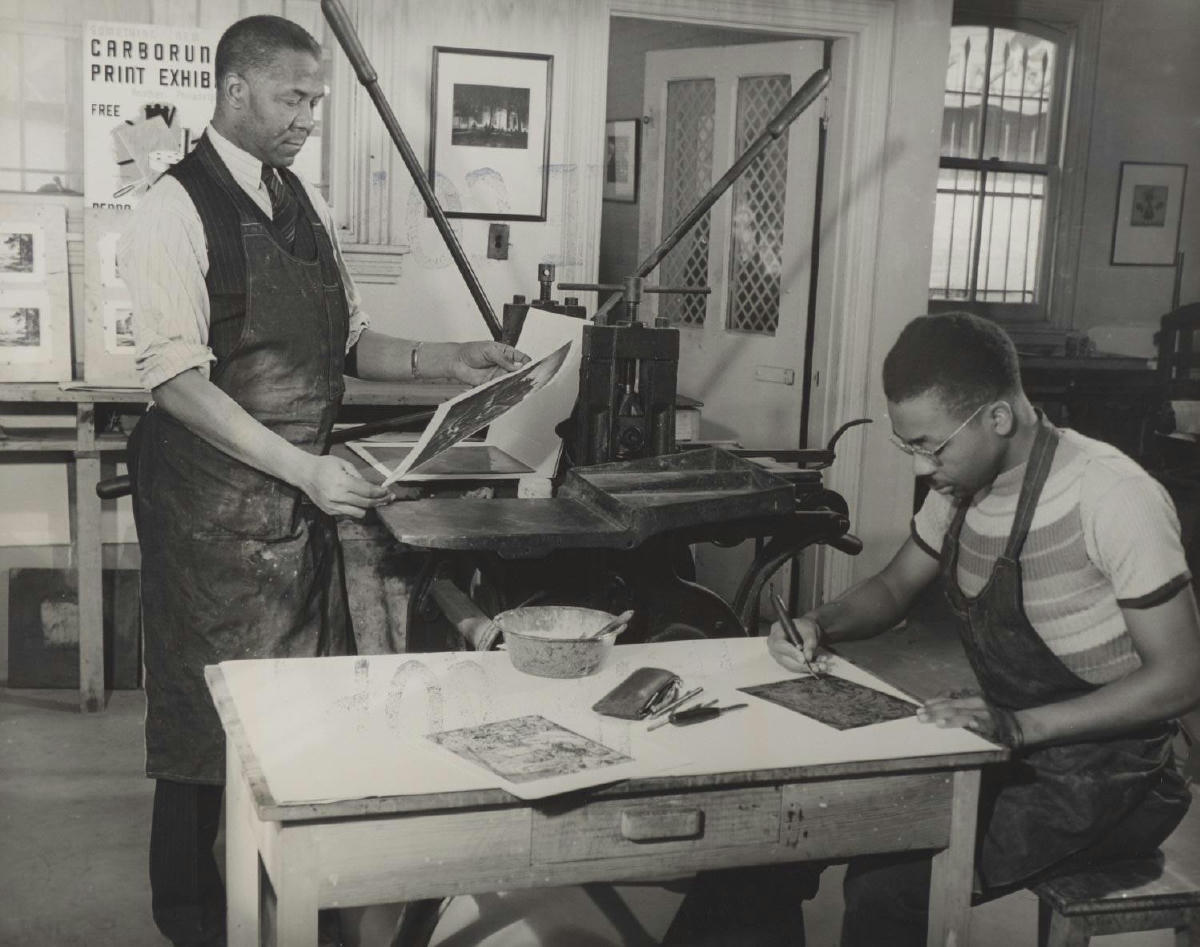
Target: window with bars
x=999, y=169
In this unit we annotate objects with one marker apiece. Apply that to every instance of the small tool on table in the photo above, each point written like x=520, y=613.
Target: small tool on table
x=793, y=634
x=675, y=715
x=699, y=713
x=659, y=710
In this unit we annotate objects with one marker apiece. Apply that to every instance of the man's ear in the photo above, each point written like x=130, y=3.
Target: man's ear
x=1000, y=414
x=235, y=90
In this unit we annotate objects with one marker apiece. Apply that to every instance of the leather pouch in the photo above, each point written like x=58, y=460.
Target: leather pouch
x=634, y=697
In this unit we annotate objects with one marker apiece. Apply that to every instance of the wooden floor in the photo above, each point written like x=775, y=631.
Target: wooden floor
x=74, y=817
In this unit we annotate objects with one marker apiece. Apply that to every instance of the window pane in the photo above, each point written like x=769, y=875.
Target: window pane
x=10, y=137
x=758, y=204
x=1013, y=205
x=46, y=143
x=954, y=234
x=10, y=66
x=691, y=105
x=962, y=115
x=44, y=69
x=1022, y=82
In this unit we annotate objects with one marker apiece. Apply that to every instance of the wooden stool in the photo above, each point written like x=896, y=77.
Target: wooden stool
x=1142, y=894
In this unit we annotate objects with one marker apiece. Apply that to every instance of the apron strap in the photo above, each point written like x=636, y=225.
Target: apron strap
x=1041, y=458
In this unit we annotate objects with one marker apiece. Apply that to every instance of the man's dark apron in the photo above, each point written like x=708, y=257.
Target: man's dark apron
x=1050, y=802
x=235, y=563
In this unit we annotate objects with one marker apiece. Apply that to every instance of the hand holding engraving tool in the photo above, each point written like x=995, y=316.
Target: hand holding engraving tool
x=793, y=634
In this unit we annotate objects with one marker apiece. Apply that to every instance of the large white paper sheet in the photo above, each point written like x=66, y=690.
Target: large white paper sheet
x=326, y=729
x=522, y=442
x=471, y=411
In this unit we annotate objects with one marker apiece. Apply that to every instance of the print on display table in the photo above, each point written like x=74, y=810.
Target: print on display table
x=35, y=315
x=22, y=253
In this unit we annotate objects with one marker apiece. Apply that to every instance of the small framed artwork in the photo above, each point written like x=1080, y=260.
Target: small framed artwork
x=1149, y=214
x=109, y=349
x=35, y=316
x=622, y=156
x=489, y=136
x=22, y=251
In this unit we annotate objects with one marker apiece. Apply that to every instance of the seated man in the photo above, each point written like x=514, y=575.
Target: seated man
x=1062, y=563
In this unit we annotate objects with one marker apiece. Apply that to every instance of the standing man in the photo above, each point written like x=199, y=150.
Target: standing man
x=1062, y=561
x=246, y=322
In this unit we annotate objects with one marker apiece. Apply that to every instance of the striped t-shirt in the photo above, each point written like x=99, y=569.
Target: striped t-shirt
x=1104, y=537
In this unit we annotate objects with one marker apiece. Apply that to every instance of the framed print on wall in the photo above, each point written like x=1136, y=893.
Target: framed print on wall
x=1149, y=214
x=489, y=136
x=622, y=155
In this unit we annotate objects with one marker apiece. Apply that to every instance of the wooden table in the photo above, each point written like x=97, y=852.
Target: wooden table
x=83, y=445
x=332, y=786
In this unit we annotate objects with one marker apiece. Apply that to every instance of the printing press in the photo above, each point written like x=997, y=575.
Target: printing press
x=628, y=502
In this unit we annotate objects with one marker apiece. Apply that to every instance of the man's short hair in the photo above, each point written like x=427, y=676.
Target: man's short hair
x=253, y=43
x=964, y=359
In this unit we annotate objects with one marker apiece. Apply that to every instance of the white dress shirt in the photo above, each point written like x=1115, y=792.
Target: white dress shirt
x=163, y=259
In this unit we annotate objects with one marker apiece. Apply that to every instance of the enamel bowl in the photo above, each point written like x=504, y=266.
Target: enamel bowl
x=548, y=640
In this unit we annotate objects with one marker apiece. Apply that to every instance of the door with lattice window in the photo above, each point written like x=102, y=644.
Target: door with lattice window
x=742, y=346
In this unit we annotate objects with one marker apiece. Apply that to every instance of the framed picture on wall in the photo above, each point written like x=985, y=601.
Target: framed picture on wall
x=622, y=155
x=1149, y=213
x=489, y=136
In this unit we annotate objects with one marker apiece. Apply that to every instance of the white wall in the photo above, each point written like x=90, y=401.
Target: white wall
x=430, y=299
x=1147, y=109
x=909, y=168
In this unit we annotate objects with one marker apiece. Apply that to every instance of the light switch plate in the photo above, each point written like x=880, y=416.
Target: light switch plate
x=497, y=242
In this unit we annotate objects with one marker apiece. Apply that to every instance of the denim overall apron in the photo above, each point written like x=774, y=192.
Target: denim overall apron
x=1054, y=802
x=236, y=563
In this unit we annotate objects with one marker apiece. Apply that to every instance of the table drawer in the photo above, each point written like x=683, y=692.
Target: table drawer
x=868, y=814
x=650, y=825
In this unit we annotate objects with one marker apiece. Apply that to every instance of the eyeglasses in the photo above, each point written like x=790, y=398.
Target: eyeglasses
x=930, y=454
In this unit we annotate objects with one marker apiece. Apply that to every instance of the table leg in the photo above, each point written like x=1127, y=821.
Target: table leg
x=954, y=868
x=242, y=886
x=89, y=572
x=296, y=890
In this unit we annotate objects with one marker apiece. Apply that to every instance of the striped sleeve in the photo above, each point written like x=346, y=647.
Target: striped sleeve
x=1132, y=535
x=931, y=522
x=163, y=260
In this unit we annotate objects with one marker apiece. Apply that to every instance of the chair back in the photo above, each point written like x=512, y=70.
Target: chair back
x=1179, y=353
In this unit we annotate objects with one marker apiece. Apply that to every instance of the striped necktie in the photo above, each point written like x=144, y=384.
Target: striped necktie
x=284, y=208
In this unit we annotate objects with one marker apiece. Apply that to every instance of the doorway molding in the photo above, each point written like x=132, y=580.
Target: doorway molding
x=863, y=32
